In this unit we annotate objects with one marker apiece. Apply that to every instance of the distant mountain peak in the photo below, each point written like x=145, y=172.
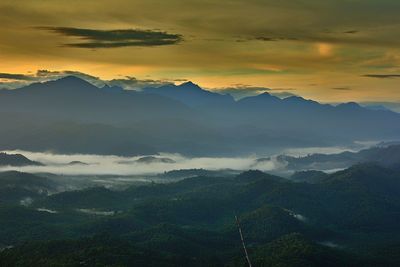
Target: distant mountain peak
x=295, y=98
x=16, y=160
x=71, y=80
x=265, y=94
x=190, y=94
x=349, y=105
x=260, y=99
x=69, y=83
x=300, y=100
x=190, y=85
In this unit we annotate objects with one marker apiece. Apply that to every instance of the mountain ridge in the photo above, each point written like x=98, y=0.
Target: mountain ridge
x=182, y=119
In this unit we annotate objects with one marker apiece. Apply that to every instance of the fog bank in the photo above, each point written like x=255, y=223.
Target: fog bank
x=86, y=164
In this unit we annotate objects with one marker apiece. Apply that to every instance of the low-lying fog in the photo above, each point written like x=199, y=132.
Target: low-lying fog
x=79, y=164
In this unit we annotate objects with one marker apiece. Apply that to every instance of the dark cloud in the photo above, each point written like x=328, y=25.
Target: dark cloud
x=266, y=39
x=275, y=39
x=382, y=76
x=13, y=76
x=284, y=89
x=46, y=75
x=180, y=80
x=116, y=38
x=242, y=90
x=13, y=81
x=18, y=80
x=351, y=32
x=301, y=35
x=341, y=88
x=132, y=83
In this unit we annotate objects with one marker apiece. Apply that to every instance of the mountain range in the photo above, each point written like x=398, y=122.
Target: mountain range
x=70, y=115
x=384, y=155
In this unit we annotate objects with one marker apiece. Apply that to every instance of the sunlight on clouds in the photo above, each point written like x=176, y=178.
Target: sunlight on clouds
x=223, y=42
x=324, y=49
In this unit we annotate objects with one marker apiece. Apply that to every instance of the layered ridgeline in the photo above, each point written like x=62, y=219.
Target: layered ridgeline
x=16, y=160
x=24, y=188
x=348, y=218
x=71, y=115
x=384, y=154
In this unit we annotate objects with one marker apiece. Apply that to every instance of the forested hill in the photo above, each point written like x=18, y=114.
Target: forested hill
x=348, y=218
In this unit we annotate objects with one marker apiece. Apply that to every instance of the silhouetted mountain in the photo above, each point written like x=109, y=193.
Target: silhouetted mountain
x=16, y=160
x=350, y=106
x=300, y=102
x=77, y=162
x=75, y=99
x=384, y=155
x=151, y=159
x=378, y=107
x=73, y=116
x=22, y=188
x=190, y=94
x=393, y=106
x=259, y=101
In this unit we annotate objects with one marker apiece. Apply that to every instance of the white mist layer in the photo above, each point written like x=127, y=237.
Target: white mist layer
x=118, y=165
x=125, y=166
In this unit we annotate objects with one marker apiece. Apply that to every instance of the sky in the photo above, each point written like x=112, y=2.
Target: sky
x=330, y=51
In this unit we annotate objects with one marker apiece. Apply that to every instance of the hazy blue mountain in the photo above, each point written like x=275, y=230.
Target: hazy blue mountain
x=378, y=107
x=259, y=101
x=70, y=115
x=190, y=94
x=75, y=99
x=384, y=155
x=112, y=89
x=394, y=106
x=46, y=134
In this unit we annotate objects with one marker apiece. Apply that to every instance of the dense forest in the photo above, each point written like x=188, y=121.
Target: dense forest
x=348, y=218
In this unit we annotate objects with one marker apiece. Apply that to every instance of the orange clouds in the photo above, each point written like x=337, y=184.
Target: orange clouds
x=324, y=49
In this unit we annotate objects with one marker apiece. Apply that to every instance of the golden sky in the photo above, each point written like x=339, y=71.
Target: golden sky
x=331, y=50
